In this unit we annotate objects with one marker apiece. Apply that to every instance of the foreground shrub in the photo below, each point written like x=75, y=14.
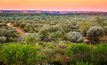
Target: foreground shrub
x=74, y=37
x=99, y=55
x=79, y=52
x=51, y=53
x=18, y=54
x=55, y=54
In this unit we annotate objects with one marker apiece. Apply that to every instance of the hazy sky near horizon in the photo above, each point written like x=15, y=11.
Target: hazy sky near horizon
x=71, y=5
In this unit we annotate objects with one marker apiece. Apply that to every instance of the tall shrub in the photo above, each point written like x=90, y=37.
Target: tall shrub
x=95, y=33
x=74, y=37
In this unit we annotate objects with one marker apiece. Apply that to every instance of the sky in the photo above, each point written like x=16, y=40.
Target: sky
x=54, y=5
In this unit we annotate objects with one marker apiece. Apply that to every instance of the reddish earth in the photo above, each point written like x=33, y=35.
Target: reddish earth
x=19, y=30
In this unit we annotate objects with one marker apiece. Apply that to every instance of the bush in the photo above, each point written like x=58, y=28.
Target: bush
x=69, y=26
x=56, y=36
x=18, y=54
x=79, y=52
x=99, y=20
x=45, y=31
x=55, y=54
x=51, y=33
x=83, y=63
x=84, y=26
x=30, y=38
x=3, y=39
x=10, y=33
x=105, y=30
x=50, y=53
x=99, y=55
x=95, y=33
x=74, y=37
x=3, y=32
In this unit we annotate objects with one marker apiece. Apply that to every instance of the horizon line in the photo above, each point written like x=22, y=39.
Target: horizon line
x=54, y=10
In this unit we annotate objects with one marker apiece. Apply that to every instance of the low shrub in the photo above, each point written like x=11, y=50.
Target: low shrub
x=105, y=30
x=84, y=26
x=19, y=54
x=3, y=32
x=99, y=55
x=50, y=53
x=56, y=36
x=83, y=63
x=79, y=52
x=3, y=39
x=51, y=33
x=30, y=38
x=55, y=54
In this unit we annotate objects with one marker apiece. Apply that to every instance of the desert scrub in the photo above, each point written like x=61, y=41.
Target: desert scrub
x=51, y=33
x=105, y=30
x=3, y=39
x=53, y=54
x=30, y=38
x=84, y=26
x=56, y=36
x=99, y=55
x=79, y=52
x=19, y=54
x=3, y=32
x=83, y=63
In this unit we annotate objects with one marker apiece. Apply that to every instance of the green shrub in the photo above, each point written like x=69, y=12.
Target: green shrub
x=84, y=26
x=99, y=20
x=105, y=30
x=50, y=53
x=74, y=37
x=82, y=63
x=55, y=54
x=79, y=52
x=45, y=31
x=2, y=24
x=30, y=38
x=56, y=36
x=69, y=26
x=99, y=55
x=3, y=39
x=2, y=32
x=95, y=33
x=10, y=33
x=51, y=33
x=18, y=54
